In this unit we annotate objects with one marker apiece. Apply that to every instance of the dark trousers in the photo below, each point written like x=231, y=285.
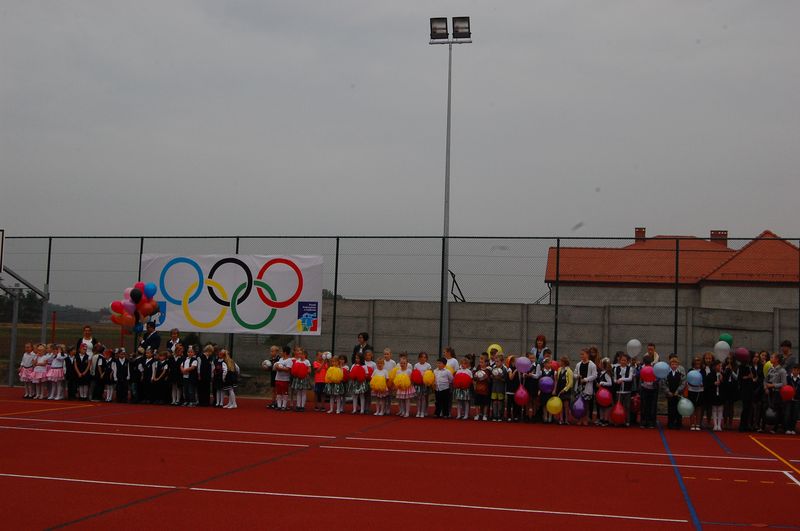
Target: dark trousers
x=122, y=392
x=189, y=391
x=513, y=411
x=649, y=403
x=97, y=390
x=442, y=403
x=747, y=409
x=135, y=398
x=203, y=392
x=673, y=417
x=72, y=389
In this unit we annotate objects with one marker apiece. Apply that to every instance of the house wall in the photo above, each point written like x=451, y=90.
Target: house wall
x=759, y=298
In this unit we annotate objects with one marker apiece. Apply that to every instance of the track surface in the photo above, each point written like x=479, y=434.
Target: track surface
x=103, y=466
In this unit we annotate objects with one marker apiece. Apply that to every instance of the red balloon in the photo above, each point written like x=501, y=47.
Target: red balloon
x=787, y=393
x=117, y=308
x=139, y=286
x=299, y=370
x=647, y=374
x=618, y=415
x=127, y=320
x=358, y=373
x=462, y=381
x=416, y=377
x=116, y=319
x=636, y=403
x=604, y=397
x=742, y=355
x=143, y=308
x=555, y=365
x=521, y=396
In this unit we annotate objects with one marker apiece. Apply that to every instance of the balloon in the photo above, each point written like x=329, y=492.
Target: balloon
x=402, y=381
x=462, y=381
x=603, y=397
x=636, y=403
x=618, y=415
x=661, y=369
x=358, y=373
x=128, y=320
x=494, y=346
x=770, y=416
x=523, y=364
x=428, y=378
x=378, y=384
x=546, y=385
x=416, y=377
x=767, y=367
x=116, y=319
x=136, y=295
x=555, y=365
x=150, y=290
x=742, y=355
x=333, y=375
x=143, y=308
x=266, y=364
x=721, y=350
x=116, y=307
x=685, y=407
x=126, y=295
x=140, y=286
x=647, y=374
x=578, y=408
x=299, y=370
x=694, y=378
x=787, y=393
x=727, y=338
x=128, y=306
x=554, y=405
x=634, y=347
x=521, y=396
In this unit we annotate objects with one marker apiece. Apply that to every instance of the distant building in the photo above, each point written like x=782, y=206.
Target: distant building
x=761, y=276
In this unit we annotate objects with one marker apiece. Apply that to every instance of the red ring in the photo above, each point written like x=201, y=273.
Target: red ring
x=294, y=297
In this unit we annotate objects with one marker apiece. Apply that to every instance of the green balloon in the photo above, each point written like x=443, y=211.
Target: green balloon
x=685, y=407
x=727, y=338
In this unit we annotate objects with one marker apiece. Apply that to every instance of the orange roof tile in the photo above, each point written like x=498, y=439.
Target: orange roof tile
x=764, y=259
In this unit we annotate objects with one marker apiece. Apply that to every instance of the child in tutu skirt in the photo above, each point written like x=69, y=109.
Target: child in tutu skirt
x=358, y=389
x=463, y=396
x=39, y=375
x=404, y=396
x=26, y=370
x=301, y=386
x=55, y=374
x=422, y=390
x=336, y=391
x=382, y=397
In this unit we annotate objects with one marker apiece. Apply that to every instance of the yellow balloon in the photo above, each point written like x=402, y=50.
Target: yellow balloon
x=554, y=405
x=451, y=369
x=494, y=346
x=428, y=378
x=402, y=381
x=378, y=384
x=334, y=375
x=767, y=367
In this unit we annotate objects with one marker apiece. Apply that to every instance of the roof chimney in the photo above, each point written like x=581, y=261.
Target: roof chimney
x=719, y=236
x=640, y=234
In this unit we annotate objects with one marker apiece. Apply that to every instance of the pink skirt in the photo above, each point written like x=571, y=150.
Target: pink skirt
x=25, y=374
x=55, y=375
x=39, y=375
x=406, y=393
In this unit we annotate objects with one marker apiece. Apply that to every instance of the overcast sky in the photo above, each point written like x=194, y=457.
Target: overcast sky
x=259, y=117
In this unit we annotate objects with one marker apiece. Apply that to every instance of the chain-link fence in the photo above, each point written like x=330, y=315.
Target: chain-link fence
x=679, y=293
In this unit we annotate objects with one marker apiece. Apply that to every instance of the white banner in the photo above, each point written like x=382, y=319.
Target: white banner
x=237, y=293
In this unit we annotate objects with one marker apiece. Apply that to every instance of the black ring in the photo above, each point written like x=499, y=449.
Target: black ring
x=247, y=272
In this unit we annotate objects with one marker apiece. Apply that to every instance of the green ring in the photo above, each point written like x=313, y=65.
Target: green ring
x=235, y=313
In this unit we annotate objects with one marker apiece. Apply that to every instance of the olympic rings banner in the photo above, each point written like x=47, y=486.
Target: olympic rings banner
x=237, y=293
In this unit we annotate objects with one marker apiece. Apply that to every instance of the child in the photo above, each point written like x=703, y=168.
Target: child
x=463, y=396
x=283, y=374
x=714, y=382
x=121, y=375
x=649, y=393
x=189, y=376
x=55, y=374
x=531, y=382
x=482, y=388
x=696, y=396
x=422, y=390
x=103, y=372
x=404, y=396
x=452, y=363
x=274, y=357
x=231, y=379
x=730, y=390
x=674, y=384
x=585, y=376
x=388, y=362
x=564, y=384
x=82, y=362
x=26, y=370
x=513, y=410
x=747, y=385
x=499, y=376
x=336, y=390
x=381, y=396
x=623, y=379
x=69, y=374
x=148, y=389
x=301, y=386
x=793, y=407
x=369, y=367
x=545, y=370
x=358, y=389
x=776, y=378
x=604, y=381
x=442, y=381
x=160, y=378
x=320, y=368
x=39, y=375
x=176, y=360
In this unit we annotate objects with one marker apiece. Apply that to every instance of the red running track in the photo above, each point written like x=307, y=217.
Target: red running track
x=101, y=466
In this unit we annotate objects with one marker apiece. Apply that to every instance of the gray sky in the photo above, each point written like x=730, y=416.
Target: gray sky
x=259, y=117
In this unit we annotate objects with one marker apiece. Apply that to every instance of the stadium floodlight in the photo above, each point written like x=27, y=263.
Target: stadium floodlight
x=461, y=28
x=439, y=29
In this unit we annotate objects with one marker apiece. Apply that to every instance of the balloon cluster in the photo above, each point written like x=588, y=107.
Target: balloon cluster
x=137, y=303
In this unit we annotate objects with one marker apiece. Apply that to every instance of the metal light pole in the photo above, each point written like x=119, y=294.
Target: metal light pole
x=441, y=35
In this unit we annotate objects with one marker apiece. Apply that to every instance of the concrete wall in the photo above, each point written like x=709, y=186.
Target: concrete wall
x=626, y=296
x=413, y=326
x=758, y=298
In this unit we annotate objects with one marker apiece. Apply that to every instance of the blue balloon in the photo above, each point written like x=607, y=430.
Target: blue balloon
x=661, y=369
x=694, y=378
x=150, y=289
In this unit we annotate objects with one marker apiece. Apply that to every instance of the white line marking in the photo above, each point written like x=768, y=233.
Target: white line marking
x=103, y=433
x=592, y=450
x=169, y=427
x=790, y=476
x=533, y=458
x=92, y=481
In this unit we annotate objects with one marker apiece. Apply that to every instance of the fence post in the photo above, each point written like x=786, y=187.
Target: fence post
x=335, y=296
x=46, y=299
x=555, y=317
x=14, y=323
x=677, y=293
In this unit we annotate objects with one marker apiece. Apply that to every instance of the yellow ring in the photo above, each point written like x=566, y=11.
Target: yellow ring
x=185, y=305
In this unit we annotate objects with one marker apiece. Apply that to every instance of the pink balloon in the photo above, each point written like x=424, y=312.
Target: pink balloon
x=647, y=374
x=127, y=294
x=129, y=306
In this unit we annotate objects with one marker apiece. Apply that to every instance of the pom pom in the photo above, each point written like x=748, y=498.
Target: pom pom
x=299, y=370
x=333, y=375
x=370, y=370
x=266, y=364
x=451, y=369
x=402, y=381
x=416, y=377
x=604, y=397
x=345, y=374
x=554, y=405
x=378, y=384
x=462, y=381
x=358, y=373
x=393, y=373
x=521, y=396
x=429, y=378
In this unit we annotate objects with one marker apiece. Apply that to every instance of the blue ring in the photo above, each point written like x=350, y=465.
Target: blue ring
x=182, y=260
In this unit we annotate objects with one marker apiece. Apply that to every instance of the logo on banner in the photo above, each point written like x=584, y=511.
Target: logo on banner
x=307, y=316
x=226, y=303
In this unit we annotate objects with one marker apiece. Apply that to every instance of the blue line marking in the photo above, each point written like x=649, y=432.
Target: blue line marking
x=681, y=484
x=722, y=444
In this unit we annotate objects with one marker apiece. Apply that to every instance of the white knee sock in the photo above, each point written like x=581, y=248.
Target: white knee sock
x=231, y=397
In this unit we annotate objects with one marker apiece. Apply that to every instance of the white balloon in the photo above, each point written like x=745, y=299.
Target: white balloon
x=266, y=364
x=721, y=350
x=634, y=347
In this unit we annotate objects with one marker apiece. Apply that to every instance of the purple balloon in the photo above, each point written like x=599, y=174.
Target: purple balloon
x=546, y=384
x=578, y=408
x=523, y=364
x=129, y=306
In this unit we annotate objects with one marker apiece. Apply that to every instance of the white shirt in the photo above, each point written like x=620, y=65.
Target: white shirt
x=284, y=376
x=89, y=345
x=58, y=361
x=452, y=363
x=187, y=363
x=442, y=379
x=422, y=367
x=28, y=360
x=389, y=365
